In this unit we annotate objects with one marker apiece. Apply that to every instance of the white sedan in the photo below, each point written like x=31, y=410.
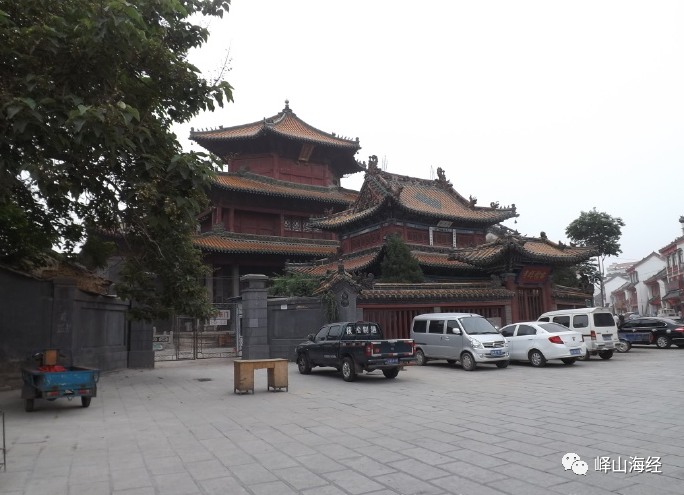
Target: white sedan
x=537, y=342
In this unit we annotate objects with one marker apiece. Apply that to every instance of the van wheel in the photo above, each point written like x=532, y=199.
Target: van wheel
x=663, y=342
x=569, y=361
x=623, y=346
x=451, y=361
x=502, y=364
x=585, y=356
x=348, y=370
x=303, y=364
x=421, y=360
x=392, y=373
x=605, y=354
x=536, y=358
x=468, y=361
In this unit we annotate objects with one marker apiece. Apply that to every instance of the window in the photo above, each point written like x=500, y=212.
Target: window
x=604, y=320
x=545, y=318
x=335, y=331
x=452, y=327
x=508, y=331
x=563, y=320
x=553, y=327
x=580, y=321
x=526, y=330
x=322, y=334
x=419, y=326
x=436, y=326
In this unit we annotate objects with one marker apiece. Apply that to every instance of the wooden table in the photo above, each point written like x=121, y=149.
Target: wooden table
x=244, y=374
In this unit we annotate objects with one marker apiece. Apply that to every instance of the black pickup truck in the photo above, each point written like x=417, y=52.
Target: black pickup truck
x=354, y=347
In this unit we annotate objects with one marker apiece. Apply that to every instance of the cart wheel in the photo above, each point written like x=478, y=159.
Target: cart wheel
x=28, y=405
x=85, y=401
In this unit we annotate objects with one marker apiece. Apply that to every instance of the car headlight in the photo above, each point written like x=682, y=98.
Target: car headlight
x=476, y=344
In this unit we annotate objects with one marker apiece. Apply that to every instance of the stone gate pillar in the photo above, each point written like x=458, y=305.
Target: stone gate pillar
x=254, y=317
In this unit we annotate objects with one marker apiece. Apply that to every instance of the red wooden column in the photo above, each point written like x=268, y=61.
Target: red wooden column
x=231, y=220
x=510, y=285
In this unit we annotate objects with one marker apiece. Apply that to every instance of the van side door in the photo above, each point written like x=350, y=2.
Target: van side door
x=435, y=338
x=453, y=340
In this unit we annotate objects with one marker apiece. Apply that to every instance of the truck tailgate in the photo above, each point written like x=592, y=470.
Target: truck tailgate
x=392, y=348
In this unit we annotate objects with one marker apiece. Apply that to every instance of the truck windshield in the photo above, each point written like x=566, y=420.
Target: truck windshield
x=476, y=325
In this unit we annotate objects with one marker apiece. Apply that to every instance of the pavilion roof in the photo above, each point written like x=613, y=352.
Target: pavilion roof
x=532, y=249
x=221, y=241
x=261, y=185
x=285, y=125
x=451, y=292
x=435, y=199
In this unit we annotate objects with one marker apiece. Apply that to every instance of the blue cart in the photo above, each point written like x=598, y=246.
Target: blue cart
x=629, y=338
x=40, y=382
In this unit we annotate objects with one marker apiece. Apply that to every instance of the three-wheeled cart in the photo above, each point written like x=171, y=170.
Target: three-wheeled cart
x=50, y=380
x=629, y=338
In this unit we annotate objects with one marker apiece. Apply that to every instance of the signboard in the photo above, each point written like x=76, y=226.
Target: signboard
x=534, y=274
x=221, y=319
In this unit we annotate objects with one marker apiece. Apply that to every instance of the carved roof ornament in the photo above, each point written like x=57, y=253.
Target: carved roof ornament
x=494, y=204
x=543, y=235
x=442, y=180
x=373, y=163
x=472, y=200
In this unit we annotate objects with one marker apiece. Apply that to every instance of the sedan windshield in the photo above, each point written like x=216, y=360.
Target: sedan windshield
x=477, y=326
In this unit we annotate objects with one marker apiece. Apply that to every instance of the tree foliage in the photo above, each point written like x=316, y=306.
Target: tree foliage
x=597, y=229
x=89, y=91
x=571, y=276
x=293, y=284
x=399, y=265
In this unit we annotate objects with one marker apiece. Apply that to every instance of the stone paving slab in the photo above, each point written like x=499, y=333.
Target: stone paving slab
x=433, y=430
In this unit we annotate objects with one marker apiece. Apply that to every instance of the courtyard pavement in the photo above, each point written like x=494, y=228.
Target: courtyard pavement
x=179, y=429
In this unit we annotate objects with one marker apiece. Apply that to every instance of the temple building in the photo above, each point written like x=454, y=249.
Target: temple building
x=280, y=206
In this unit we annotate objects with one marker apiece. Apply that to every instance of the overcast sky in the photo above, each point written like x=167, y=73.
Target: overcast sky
x=557, y=107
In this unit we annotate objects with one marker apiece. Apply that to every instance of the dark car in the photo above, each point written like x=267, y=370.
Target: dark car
x=663, y=332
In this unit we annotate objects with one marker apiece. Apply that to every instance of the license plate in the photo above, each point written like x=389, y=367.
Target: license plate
x=497, y=353
x=392, y=361
x=607, y=336
x=574, y=351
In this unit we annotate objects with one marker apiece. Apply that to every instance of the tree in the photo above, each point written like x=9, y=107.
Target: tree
x=293, y=284
x=571, y=276
x=89, y=91
x=601, y=231
x=399, y=265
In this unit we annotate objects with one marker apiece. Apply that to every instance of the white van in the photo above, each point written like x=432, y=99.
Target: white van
x=464, y=337
x=597, y=325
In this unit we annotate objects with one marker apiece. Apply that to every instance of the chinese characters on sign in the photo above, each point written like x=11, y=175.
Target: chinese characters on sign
x=534, y=274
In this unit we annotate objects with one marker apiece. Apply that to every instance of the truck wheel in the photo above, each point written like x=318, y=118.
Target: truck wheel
x=421, y=360
x=303, y=364
x=391, y=373
x=663, y=342
x=623, y=346
x=569, y=361
x=605, y=354
x=537, y=358
x=28, y=405
x=85, y=401
x=468, y=361
x=348, y=370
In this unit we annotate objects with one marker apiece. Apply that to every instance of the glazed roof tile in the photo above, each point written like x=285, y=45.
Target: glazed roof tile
x=351, y=263
x=285, y=124
x=473, y=291
x=430, y=198
x=231, y=242
x=533, y=249
x=254, y=183
x=563, y=292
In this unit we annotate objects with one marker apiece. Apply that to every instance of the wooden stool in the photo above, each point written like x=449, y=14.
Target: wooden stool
x=243, y=371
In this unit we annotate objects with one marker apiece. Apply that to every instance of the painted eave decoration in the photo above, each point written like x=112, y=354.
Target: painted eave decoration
x=467, y=291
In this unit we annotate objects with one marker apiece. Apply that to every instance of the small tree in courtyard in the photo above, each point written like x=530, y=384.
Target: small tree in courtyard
x=601, y=231
x=399, y=265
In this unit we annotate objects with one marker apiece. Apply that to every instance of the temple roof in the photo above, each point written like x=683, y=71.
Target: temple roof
x=566, y=293
x=447, y=292
x=221, y=241
x=361, y=260
x=530, y=249
x=259, y=184
x=435, y=199
x=285, y=125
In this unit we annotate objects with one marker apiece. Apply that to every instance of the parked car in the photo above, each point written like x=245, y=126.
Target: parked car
x=352, y=348
x=663, y=332
x=538, y=342
x=597, y=325
x=458, y=337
